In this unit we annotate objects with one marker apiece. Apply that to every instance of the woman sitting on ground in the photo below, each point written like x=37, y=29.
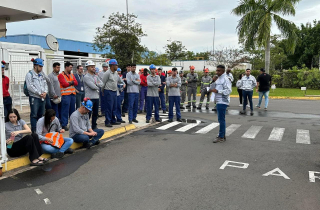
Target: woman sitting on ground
x=49, y=131
x=17, y=144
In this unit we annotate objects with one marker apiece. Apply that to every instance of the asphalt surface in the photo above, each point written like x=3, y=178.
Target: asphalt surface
x=169, y=169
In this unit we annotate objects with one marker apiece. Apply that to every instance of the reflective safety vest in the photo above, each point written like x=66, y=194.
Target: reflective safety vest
x=57, y=139
x=68, y=90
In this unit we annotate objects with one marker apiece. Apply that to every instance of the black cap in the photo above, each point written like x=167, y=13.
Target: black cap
x=263, y=70
x=174, y=69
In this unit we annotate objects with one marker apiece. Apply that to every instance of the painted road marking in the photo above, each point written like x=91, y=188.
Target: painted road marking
x=165, y=127
x=303, y=137
x=163, y=120
x=47, y=201
x=252, y=132
x=232, y=128
x=189, y=126
x=38, y=191
x=208, y=128
x=276, y=134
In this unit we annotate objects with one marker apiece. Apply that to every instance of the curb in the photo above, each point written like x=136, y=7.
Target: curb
x=23, y=161
x=280, y=97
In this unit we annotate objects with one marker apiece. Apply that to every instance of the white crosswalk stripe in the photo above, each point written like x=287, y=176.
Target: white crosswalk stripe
x=165, y=127
x=208, y=128
x=303, y=137
x=189, y=126
x=232, y=128
x=252, y=132
x=276, y=134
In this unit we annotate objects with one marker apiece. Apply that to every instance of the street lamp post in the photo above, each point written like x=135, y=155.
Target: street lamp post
x=214, y=34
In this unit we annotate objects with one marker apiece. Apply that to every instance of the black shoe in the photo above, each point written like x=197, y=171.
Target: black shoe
x=122, y=121
x=199, y=107
x=130, y=122
x=123, y=115
x=65, y=128
x=159, y=120
x=243, y=112
x=214, y=109
x=116, y=123
x=194, y=106
x=57, y=155
x=69, y=151
x=164, y=112
x=140, y=111
x=89, y=145
x=217, y=140
x=207, y=108
x=181, y=107
x=134, y=120
x=147, y=121
x=108, y=125
x=179, y=120
x=188, y=106
x=170, y=120
x=97, y=142
x=251, y=113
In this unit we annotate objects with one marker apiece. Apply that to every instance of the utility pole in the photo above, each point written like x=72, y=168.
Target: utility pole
x=214, y=35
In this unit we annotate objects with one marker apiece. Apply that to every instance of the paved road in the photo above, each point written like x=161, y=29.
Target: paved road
x=176, y=166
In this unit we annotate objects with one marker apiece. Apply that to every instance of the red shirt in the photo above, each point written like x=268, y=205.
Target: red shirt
x=5, y=86
x=64, y=83
x=143, y=80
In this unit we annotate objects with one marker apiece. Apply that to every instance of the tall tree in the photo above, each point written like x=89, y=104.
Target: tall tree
x=151, y=57
x=228, y=56
x=122, y=36
x=175, y=50
x=254, y=27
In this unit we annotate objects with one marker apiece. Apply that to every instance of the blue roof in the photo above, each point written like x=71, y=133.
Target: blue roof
x=64, y=44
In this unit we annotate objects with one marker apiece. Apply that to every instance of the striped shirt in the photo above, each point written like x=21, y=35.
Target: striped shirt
x=79, y=123
x=36, y=84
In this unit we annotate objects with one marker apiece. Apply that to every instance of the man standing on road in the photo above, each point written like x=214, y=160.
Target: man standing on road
x=222, y=89
x=120, y=96
x=56, y=91
x=80, y=87
x=92, y=85
x=110, y=84
x=192, y=79
x=38, y=89
x=80, y=128
x=103, y=99
x=174, y=84
x=7, y=100
x=143, y=91
x=161, y=90
x=133, y=81
x=264, y=84
x=183, y=89
x=205, y=82
x=153, y=82
x=248, y=82
x=125, y=99
x=68, y=93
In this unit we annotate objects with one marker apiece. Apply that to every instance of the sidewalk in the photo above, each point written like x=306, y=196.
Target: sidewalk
x=14, y=163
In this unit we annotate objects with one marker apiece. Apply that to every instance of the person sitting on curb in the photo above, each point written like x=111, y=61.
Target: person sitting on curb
x=50, y=132
x=17, y=144
x=80, y=128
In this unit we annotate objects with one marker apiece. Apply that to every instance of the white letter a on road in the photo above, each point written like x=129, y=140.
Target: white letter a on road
x=279, y=173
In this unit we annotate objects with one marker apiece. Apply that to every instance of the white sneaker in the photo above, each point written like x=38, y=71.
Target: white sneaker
x=240, y=105
x=248, y=106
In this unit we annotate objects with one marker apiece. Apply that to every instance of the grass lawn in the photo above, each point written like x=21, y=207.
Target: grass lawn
x=286, y=92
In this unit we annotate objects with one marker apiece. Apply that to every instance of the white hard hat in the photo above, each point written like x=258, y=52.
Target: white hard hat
x=90, y=63
x=56, y=100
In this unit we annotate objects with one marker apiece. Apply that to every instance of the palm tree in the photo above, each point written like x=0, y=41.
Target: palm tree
x=254, y=27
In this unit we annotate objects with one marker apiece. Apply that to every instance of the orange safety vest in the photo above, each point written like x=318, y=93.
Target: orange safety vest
x=68, y=90
x=57, y=139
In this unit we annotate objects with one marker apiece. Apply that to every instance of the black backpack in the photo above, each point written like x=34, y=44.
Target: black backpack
x=25, y=88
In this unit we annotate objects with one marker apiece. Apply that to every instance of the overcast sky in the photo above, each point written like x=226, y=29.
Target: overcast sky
x=188, y=21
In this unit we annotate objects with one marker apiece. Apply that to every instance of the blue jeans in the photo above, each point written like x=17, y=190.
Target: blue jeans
x=247, y=95
x=152, y=101
x=50, y=149
x=133, y=99
x=111, y=105
x=68, y=106
x=221, y=109
x=118, y=110
x=143, y=98
x=37, y=111
x=162, y=101
x=95, y=112
x=48, y=103
x=79, y=98
x=125, y=102
x=7, y=102
x=266, y=98
x=82, y=138
x=57, y=109
x=174, y=100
